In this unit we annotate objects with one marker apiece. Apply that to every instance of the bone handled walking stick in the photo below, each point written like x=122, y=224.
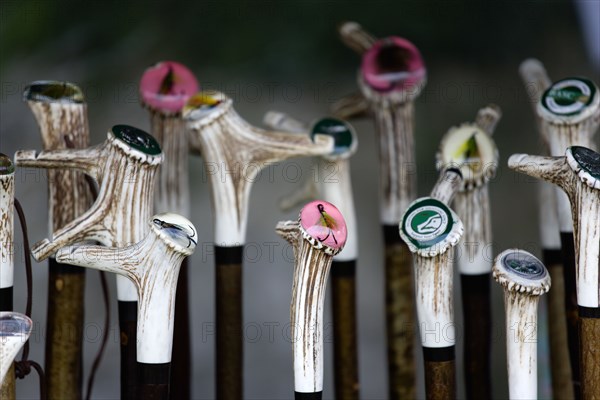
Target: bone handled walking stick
x=234, y=153
x=125, y=167
x=15, y=329
x=524, y=279
x=61, y=113
x=164, y=90
x=578, y=175
x=391, y=76
x=334, y=185
x=152, y=265
x=536, y=82
x=7, y=197
x=431, y=230
x=568, y=115
x=318, y=235
x=470, y=148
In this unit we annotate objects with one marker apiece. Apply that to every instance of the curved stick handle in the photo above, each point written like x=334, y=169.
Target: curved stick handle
x=487, y=118
x=353, y=105
x=87, y=160
x=535, y=78
x=284, y=122
x=355, y=37
x=448, y=185
x=551, y=169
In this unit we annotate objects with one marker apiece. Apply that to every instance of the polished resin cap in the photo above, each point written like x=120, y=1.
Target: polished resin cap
x=520, y=271
x=14, y=324
x=392, y=64
x=569, y=97
x=166, y=86
x=202, y=104
x=53, y=92
x=322, y=224
x=586, y=164
x=177, y=230
x=6, y=165
x=343, y=134
x=472, y=151
x=429, y=227
x=137, y=139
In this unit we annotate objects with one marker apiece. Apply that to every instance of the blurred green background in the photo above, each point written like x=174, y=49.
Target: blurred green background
x=286, y=55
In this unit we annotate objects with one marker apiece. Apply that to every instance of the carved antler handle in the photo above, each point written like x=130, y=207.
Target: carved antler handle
x=319, y=234
x=524, y=279
x=153, y=266
x=15, y=329
x=236, y=150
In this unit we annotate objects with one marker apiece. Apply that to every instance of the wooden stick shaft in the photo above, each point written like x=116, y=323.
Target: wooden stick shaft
x=182, y=362
x=229, y=320
x=571, y=307
x=439, y=378
x=562, y=387
x=589, y=330
x=128, y=333
x=400, y=318
x=153, y=381
x=65, y=314
x=477, y=335
x=345, y=351
x=7, y=388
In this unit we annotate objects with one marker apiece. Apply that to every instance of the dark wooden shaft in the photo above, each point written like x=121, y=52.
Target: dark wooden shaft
x=6, y=299
x=309, y=396
x=64, y=327
x=571, y=307
x=440, y=373
x=153, y=381
x=400, y=315
x=477, y=335
x=128, y=331
x=562, y=387
x=345, y=352
x=229, y=351
x=589, y=331
x=181, y=361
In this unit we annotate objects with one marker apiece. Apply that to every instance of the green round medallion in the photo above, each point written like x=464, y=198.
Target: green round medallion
x=53, y=91
x=427, y=223
x=339, y=130
x=137, y=139
x=569, y=96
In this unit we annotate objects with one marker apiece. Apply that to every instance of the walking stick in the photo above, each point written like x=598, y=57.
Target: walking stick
x=164, y=89
x=524, y=279
x=568, y=115
x=337, y=190
x=125, y=167
x=578, y=175
x=15, y=329
x=152, y=265
x=431, y=230
x=536, y=81
x=318, y=235
x=7, y=197
x=391, y=77
x=234, y=153
x=61, y=113
x=471, y=148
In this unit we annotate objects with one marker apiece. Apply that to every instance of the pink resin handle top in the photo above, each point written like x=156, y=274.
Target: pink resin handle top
x=166, y=87
x=392, y=64
x=324, y=224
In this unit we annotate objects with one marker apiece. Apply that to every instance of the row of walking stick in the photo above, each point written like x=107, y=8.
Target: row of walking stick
x=135, y=174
